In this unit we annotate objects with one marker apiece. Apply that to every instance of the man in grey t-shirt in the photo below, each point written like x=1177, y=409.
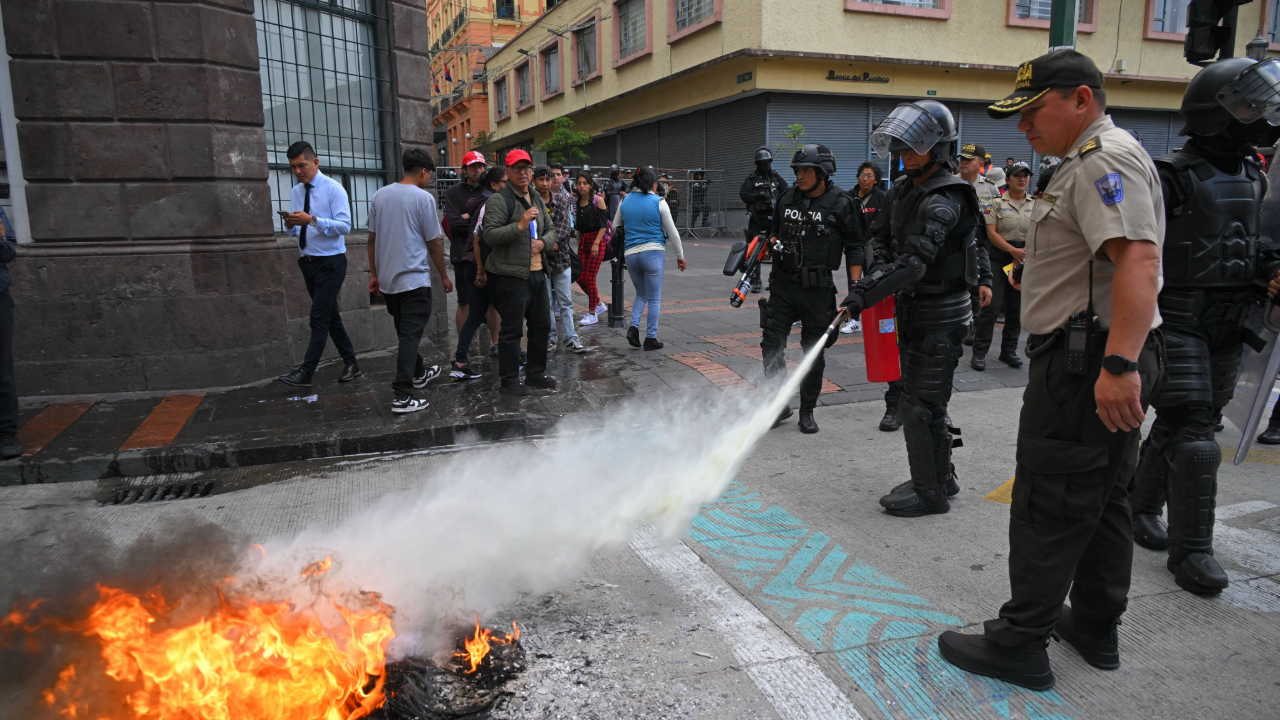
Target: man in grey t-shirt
x=404, y=228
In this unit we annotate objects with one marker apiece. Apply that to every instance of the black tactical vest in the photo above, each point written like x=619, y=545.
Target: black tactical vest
x=760, y=214
x=809, y=232
x=1212, y=240
x=956, y=264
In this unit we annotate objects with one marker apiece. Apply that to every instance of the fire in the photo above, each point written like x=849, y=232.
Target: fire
x=477, y=646
x=318, y=567
x=248, y=660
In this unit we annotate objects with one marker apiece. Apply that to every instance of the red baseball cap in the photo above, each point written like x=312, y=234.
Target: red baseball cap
x=516, y=156
x=472, y=158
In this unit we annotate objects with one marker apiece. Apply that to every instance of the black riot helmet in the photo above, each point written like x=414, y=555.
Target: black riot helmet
x=613, y=172
x=815, y=156
x=1235, y=90
x=925, y=126
x=764, y=160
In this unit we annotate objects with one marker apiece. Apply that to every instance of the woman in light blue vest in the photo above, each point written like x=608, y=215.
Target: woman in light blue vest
x=647, y=220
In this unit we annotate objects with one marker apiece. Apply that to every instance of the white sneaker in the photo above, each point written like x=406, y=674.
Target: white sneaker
x=577, y=346
x=551, y=346
x=429, y=373
x=851, y=327
x=602, y=308
x=408, y=404
x=588, y=319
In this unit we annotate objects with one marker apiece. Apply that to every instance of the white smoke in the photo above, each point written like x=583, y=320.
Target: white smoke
x=503, y=520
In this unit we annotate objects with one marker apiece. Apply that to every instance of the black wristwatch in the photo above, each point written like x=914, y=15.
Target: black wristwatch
x=1119, y=364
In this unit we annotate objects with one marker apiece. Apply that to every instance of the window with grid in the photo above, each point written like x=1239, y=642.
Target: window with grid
x=1170, y=16
x=1039, y=9
x=586, y=42
x=631, y=29
x=551, y=70
x=522, y=85
x=500, y=89
x=320, y=64
x=691, y=12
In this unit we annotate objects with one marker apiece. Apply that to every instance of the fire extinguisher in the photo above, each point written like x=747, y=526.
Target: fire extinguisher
x=880, y=340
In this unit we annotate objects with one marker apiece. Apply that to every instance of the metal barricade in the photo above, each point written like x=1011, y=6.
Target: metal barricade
x=446, y=177
x=701, y=202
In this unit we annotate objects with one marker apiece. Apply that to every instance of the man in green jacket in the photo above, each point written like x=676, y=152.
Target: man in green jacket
x=518, y=230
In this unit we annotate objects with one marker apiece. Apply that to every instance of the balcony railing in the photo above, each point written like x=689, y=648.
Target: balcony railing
x=506, y=10
x=449, y=31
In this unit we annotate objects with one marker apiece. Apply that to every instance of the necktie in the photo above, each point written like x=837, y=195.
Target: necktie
x=306, y=208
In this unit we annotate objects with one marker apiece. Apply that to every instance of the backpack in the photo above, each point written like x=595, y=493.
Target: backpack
x=485, y=250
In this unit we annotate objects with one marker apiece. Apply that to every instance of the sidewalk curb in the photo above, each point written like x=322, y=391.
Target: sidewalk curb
x=195, y=458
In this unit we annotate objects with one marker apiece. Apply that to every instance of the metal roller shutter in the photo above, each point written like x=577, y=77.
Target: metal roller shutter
x=1152, y=127
x=1000, y=137
x=840, y=123
x=734, y=131
x=604, y=151
x=640, y=145
x=682, y=141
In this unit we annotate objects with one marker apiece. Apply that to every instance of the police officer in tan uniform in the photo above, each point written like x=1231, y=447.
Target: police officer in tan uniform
x=1007, y=226
x=972, y=165
x=1089, y=301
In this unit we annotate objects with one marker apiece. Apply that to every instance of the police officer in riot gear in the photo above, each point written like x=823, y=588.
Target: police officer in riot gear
x=614, y=189
x=928, y=246
x=814, y=225
x=1215, y=267
x=760, y=193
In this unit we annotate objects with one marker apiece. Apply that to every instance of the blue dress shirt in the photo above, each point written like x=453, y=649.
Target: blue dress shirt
x=332, y=212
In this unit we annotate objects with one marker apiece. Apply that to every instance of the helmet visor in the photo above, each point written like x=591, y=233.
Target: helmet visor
x=1254, y=94
x=911, y=126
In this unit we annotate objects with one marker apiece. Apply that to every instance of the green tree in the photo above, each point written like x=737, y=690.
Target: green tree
x=483, y=142
x=566, y=144
x=794, y=133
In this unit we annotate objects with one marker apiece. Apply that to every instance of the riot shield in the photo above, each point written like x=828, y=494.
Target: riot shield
x=1257, y=377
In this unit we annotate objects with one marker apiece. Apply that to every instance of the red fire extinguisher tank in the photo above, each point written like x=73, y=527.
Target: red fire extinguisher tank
x=880, y=340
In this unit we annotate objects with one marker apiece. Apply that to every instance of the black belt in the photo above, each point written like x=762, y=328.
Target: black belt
x=1038, y=345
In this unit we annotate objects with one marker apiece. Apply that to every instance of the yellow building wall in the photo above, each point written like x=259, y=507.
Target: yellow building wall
x=937, y=50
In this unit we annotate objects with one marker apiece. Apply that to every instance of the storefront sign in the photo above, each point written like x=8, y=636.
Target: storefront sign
x=865, y=77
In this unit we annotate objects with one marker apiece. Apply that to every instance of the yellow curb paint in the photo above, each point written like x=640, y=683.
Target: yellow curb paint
x=1002, y=494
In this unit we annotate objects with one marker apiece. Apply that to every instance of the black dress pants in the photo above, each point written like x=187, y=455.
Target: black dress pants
x=324, y=275
x=521, y=300
x=1003, y=297
x=788, y=302
x=8, y=385
x=410, y=310
x=1069, y=524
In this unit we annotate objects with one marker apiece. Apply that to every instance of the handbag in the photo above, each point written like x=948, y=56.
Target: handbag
x=575, y=266
x=614, y=239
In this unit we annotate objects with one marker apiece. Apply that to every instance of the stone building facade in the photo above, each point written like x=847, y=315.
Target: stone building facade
x=149, y=137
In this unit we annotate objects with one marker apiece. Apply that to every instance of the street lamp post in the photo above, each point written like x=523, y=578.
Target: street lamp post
x=1062, y=24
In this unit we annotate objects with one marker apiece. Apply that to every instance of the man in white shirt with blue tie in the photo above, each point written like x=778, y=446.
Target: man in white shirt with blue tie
x=321, y=218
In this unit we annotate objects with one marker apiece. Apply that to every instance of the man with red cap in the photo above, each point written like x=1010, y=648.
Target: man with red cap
x=518, y=232
x=457, y=220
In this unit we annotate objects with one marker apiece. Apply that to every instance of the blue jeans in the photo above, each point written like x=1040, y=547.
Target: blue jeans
x=561, y=296
x=645, y=269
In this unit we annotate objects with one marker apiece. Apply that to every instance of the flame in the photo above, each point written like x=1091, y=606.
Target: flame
x=319, y=567
x=478, y=645
x=248, y=660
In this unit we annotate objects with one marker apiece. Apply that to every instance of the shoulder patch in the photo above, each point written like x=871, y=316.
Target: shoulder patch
x=1110, y=188
x=1090, y=145
x=1051, y=199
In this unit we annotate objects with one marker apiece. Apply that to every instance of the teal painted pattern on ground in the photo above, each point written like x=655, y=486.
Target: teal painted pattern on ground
x=880, y=634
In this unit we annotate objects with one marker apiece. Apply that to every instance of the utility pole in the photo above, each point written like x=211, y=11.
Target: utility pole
x=1062, y=24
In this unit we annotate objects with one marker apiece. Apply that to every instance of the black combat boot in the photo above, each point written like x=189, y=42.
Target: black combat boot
x=786, y=413
x=1097, y=643
x=1146, y=493
x=1026, y=665
x=1270, y=436
x=1193, y=485
x=807, y=425
x=890, y=421
x=952, y=486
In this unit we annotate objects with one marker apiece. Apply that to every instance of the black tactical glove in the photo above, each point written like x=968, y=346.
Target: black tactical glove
x=854, y=302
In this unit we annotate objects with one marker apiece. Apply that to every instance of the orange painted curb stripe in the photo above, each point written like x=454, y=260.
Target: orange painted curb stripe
x=49, y=424
x=164, y=422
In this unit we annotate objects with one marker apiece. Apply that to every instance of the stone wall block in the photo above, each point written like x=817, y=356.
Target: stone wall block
x=209, y=273
x=245, y=6
x=73, y=377
x=409, y=26
x=178, y=34
x=130, y=328
x=119, y=152
x=210, y=322
x=214, y=369
x=413, y=75
x=76, y=212
x=414, y=121
x=28, y=27
x=161, y=91
x=223, y=151
x=61, y=89
x=46, y=151
x=229, y=37
x=235, y=96
x=198, y=209
x=103, y=29
x=117, y=277
x=257, y=273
